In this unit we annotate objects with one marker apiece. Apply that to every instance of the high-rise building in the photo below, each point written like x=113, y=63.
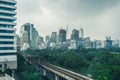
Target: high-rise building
x=31, y=32
x=97, y=44
x=87, y=42
x=8, y=51
x=54, y=37
x=116, y=43
x=81, y=33
x=34, y=36
x=27, y=27
x=47, y=40
x=41, y=39
x=62, y=35
x=108, y=42
x=38, y=42
x=73, y=44
x=75, y=35
x=80, y=43
x=17, y=41
x=24, y=39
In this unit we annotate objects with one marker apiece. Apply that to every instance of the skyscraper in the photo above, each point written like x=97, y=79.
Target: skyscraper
x=34, y=36
x=54, y=37
x=81, y=33
x=47, y=39
x=62, y=35
x=75, y=34
x=31, y=33
x=87, y=42
x=108, y=42
x=24, y=40
x=17, y=41
x=8, y=58
x=27, y=27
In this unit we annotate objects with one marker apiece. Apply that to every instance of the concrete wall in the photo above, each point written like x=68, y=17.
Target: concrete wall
x=9, y=65
x=6, y=77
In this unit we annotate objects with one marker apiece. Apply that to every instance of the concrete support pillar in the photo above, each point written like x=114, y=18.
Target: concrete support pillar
x=3, y=68
x=44, y=72
x=40, y=70
x=13, y=73
x=37, y=68
x=56, y=77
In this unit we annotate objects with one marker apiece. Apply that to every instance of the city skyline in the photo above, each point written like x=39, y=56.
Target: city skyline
x=98, y=18
x=29, y=38
x=59, y=40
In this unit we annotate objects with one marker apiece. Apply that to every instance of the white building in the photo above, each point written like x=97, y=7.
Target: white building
x=52, y=44
x=81, y=33
x=17, y=42
x=116, y=43
x=87, y=42
x=97, y=44
x=28, y=32
x=73, y=44
x=42, y=46
x=6, y=77
x=23, y=39
x=8, y=58
x=39, y=41
x=25, y=46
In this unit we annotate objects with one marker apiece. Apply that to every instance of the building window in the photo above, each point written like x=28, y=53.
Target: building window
x=1, y=54
x=6, y=48
x=6, y=37
x=0, y=65
x=6, y=31
x=4, y=42
x=7, y=3
x=5, y=65
x=6, y=9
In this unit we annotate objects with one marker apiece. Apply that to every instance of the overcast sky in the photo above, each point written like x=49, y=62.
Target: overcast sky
x=98, y=18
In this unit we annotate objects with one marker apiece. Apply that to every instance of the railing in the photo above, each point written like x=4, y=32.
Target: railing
x=53, y=68
x=69, y=73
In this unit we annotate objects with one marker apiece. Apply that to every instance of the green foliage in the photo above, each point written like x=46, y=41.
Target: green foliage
x=26, y=72
x=115, y=60
x=101, y=64
x=44, y=78
x=29, y=76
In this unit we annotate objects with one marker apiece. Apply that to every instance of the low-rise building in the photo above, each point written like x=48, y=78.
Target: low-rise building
x=73, y=44
x=6, y=77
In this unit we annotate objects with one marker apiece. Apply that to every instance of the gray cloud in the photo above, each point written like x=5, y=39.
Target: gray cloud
x=82, y=8
x=28, y=7
x=98, y=17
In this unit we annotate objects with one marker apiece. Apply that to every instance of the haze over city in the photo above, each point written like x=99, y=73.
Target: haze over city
x=98, y=18
x=59, y=40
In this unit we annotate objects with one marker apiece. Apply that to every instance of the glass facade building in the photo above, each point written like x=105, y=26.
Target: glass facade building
x=7, y=34
x=62, y=35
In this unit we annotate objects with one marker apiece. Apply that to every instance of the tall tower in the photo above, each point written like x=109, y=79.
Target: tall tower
x=81, y=33
x=62, y=35
x=8, y=51
x=27, y=27
x=75, y=34
x=31, y=32
x=54, y=37
x=108, y=42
